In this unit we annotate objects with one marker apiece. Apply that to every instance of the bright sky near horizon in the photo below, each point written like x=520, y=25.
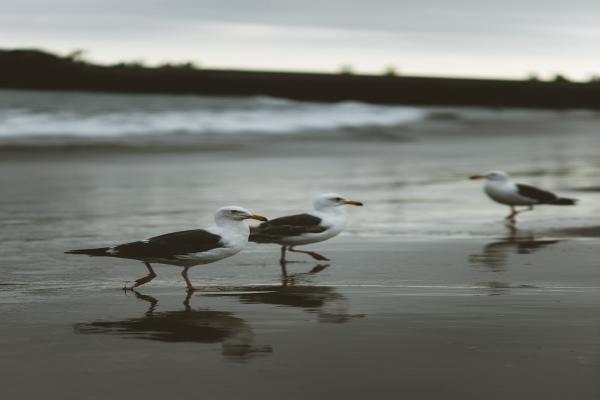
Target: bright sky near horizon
x=509, y=38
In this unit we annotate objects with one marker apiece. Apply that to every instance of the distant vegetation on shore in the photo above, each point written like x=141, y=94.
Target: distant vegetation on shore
x=39, y=70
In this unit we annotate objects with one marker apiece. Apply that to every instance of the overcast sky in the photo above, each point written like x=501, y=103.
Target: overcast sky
x=500, y=38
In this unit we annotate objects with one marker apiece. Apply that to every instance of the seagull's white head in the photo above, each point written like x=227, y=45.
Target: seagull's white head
x=497, y=176
x=329, y=200
x=235, y=213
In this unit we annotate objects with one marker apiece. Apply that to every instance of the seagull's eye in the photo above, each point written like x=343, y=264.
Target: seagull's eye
x=337, y=199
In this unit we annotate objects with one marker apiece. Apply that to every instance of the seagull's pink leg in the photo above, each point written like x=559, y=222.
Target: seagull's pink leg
x=530, y=208
x=514, y=212
x=283, y=262
x=510, y=218
x=189, y=285
x=314, y=255
x=144, y=279
x=282, y=259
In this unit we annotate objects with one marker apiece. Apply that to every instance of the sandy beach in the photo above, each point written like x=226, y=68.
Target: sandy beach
x=428, y=295
x=464, y=318
x=429, y=170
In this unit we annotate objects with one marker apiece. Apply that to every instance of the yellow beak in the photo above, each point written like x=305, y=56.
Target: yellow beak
x=257, y=217
x=477, y=177
x=354, y=203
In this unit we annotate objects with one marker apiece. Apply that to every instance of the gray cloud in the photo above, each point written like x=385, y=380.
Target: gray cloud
x=528, y=34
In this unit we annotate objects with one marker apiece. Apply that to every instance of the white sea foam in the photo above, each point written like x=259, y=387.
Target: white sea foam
x=93, y=115
x=31, y=115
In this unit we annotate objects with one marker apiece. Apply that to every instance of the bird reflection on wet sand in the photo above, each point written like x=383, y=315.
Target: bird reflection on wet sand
x=235, y=334
x=187, y=325
x=495, y=254
x=329, y=305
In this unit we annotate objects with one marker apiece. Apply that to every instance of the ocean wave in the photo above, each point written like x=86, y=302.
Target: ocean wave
x=104, y=116
x=65, y=118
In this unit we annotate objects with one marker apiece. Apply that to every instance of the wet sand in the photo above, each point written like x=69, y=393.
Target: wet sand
x=459, y=319
x=428, y=295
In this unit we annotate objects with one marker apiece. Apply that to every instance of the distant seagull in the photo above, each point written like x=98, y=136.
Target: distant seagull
x=326, y=221
x=186, y=249
x=501, y=189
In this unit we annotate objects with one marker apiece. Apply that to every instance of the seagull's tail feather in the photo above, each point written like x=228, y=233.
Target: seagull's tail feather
x=563, y=201
x=101, y=251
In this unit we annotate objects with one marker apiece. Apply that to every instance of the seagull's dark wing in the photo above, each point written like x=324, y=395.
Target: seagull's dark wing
x=534, y=193
x=292, y=225
x=169, y=245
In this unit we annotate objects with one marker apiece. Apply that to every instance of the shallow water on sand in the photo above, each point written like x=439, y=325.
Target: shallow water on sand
x=481, y=318
x=426, y=286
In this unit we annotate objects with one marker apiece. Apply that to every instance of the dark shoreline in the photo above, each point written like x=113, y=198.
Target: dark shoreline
x=37, y=70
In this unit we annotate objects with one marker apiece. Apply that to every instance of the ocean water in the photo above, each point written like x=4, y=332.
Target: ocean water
x=36, y=114
x=40, y=118
x=168, y=161
x=426, y=282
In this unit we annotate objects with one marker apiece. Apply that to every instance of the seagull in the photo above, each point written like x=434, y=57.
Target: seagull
x=326, y=221
x=502, y=190
x=185, y=249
